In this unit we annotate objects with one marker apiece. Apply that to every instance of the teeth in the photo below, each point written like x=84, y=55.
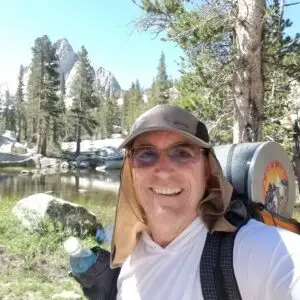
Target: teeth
x=167, y=191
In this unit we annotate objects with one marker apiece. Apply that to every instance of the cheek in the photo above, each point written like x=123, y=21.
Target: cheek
x=198, y=181
x=139, y=182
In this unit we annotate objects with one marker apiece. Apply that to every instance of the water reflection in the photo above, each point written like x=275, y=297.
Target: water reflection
x=88, y=181
x=94, y=190
x=65, y=186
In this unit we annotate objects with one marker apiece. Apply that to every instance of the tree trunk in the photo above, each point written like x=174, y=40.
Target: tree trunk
x=247, y=85
x=42, y=138
x=44, y=144
x=39, y=138
x=19, y=129
x=296, y=151
x=25, y=129
x=78, y=139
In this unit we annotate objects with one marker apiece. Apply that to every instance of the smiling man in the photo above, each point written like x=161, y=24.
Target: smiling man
x=175, y=212
x=169, y=179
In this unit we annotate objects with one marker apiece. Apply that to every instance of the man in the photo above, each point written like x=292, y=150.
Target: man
x=173, y=196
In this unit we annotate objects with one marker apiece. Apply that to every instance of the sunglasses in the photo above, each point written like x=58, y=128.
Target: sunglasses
x=179, y=154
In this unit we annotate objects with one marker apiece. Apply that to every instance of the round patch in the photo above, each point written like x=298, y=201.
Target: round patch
x=275, y=187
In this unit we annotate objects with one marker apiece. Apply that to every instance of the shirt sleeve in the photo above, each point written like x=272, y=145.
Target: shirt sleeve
x=267, y=263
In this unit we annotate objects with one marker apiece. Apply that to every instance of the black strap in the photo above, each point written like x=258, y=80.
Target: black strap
x=217, y=276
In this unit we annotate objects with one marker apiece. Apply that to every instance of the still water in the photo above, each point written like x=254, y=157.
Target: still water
x=96, y=191
x=68, y=186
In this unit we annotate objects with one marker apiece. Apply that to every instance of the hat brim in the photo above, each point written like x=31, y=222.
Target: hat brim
x=192, y=137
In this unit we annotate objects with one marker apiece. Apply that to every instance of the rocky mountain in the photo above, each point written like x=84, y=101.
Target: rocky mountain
x=68, y=65
x=67, y=56
x=107, y=81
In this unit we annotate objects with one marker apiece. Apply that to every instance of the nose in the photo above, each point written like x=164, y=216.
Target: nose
x=164, y=166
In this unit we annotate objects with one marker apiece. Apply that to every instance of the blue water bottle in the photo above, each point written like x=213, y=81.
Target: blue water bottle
x=81, y=259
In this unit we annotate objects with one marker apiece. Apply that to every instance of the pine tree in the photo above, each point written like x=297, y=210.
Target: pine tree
x=154, y=94
x=281, y=68
x=20, y=108
x=84, y=98
x=99, y=113
x=59, y=122
x=133, y=105
x=224, y=68
x=159, y=93
x=62, y=92
x=9, y=113
x=42, y=91
x=162, y=81
x=212, y=42
x=113, y=116
x=125, y=108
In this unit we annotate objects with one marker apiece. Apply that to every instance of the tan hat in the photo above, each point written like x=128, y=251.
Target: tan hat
x=130, y=219
x=169, y=118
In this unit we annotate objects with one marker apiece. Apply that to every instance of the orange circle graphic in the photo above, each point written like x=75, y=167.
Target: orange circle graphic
x=275, y=187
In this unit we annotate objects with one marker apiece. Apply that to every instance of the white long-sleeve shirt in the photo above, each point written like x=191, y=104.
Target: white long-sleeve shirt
x=266, y=262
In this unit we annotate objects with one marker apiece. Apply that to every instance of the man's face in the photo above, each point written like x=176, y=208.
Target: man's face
x=169, y=191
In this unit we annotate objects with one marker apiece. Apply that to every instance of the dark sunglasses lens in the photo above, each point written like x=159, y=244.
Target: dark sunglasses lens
x=184, y=154
x=144, y=157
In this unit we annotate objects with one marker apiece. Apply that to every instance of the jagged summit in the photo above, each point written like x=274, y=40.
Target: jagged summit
x=107, y=81
x=67, y=56
x=68, y=65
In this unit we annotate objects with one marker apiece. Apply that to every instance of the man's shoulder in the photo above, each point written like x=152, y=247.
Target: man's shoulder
x=263, y=255
x=258, y=242
x=257, y=234
x=266, y=262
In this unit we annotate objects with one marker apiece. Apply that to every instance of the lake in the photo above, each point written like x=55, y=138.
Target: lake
x=97, y=191
x=69, y=186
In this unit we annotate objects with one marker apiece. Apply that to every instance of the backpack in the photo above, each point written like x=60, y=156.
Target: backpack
x=242, y=163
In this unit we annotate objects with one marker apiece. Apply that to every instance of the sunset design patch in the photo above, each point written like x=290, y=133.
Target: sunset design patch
x=275, y=187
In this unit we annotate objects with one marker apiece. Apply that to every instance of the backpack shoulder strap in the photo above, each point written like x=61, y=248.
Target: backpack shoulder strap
x=217, y=277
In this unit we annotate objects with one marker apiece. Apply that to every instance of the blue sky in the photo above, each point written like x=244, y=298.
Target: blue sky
x=104, y=27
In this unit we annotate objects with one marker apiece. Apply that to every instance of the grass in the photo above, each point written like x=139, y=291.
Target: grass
x=34, y=266
x=14, y=170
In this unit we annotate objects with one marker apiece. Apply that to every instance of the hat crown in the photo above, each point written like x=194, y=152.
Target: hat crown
x=172, y=116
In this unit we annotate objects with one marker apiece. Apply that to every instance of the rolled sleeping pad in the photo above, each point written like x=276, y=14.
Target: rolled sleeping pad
x=260, y=172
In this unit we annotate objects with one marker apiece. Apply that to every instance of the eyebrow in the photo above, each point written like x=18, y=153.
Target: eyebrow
x=182, y=143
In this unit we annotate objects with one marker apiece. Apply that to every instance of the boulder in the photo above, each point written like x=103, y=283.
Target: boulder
x=33, y=211
x=10, y=160
x=46, y=162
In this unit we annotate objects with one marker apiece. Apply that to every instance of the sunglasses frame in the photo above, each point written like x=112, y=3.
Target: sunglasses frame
x=130, y=154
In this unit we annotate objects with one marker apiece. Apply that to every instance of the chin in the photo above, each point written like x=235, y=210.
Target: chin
x=167, y=213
